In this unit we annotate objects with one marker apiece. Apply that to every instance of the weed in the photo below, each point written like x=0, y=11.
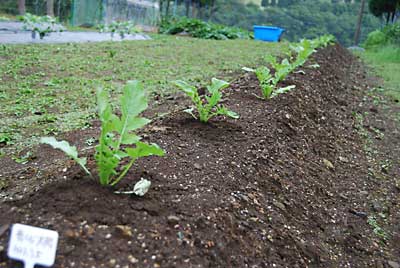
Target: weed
x=201, y=29
x=6, y=138
x=28, y=156
x=378, y=231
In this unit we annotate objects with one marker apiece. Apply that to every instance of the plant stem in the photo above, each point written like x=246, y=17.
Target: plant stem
x=87, y=171
x=123, y=172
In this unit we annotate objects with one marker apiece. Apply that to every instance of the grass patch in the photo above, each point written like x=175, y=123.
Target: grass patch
x=7, y=17
x=48, y=89
x=386, y=63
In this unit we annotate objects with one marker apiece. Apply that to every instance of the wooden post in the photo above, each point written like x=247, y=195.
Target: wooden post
x=50, y=7
x=21, y=7
x=359, y=22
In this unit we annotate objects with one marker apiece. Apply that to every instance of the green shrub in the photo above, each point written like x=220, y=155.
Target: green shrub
x=390, y=34
x=120, y=27
x=375, y=38
x=201, y=29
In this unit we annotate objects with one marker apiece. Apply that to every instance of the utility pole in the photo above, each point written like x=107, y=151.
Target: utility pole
x=359, y=22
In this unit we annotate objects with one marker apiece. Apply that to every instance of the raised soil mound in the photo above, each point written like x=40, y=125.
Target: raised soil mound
x=289, y=184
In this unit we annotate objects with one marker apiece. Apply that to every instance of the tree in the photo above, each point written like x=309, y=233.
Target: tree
x=50, y=7
x=386, y=8
x=359, y=22
x=21, y=7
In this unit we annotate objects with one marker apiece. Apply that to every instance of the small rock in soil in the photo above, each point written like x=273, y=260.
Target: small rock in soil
x=197, y=166
x=328, y=163
x=4, y=228
x=279, y=205
x=132, y=259
x=71, y=234
x=123, y=230
x=376, y=206
x=393, y=264
x=173, y=219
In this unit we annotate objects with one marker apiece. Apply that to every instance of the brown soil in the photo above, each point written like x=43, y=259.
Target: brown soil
x=292, y=183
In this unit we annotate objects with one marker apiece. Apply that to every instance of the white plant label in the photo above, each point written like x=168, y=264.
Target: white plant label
x=32, y=245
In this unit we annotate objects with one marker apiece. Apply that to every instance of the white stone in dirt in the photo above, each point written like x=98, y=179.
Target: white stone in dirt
x=132, y=259
x=141, y=187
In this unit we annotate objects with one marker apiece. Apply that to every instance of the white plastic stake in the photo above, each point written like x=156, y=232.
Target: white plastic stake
x=32, y=245
x=29, y=265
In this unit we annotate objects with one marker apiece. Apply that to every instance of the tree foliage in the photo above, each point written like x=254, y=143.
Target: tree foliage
x=300, y=19
x=385, y=8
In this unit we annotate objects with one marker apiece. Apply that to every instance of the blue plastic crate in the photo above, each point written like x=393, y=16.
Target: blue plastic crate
x=267, y=33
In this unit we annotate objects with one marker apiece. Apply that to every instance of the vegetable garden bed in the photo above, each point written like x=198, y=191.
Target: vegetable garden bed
x=286, y=185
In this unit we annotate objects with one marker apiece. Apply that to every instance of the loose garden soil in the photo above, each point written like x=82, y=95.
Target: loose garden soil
x=294, y=182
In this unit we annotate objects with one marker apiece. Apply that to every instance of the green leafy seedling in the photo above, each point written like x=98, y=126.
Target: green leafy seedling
x=324, y=40
x=207, y=106
x=266, y=81
x=118, y=131
x=69, y=150
x=269, y=83
x=302, y=51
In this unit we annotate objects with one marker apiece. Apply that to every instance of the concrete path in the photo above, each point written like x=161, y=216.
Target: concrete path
x=12, y=33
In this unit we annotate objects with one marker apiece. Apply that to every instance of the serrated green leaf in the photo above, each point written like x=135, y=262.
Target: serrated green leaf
x=104, y=109
x=136, y=122
x=128, y=138
x=133, y=100
x=217, y=85
x=69, y=150
x=144, y=149
x=191, y=91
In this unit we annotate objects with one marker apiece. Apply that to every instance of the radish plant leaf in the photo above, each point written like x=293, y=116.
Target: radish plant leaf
x=69, y=150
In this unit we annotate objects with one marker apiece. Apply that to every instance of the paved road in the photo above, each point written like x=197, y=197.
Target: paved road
x=10, y=26
x=12, y=33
